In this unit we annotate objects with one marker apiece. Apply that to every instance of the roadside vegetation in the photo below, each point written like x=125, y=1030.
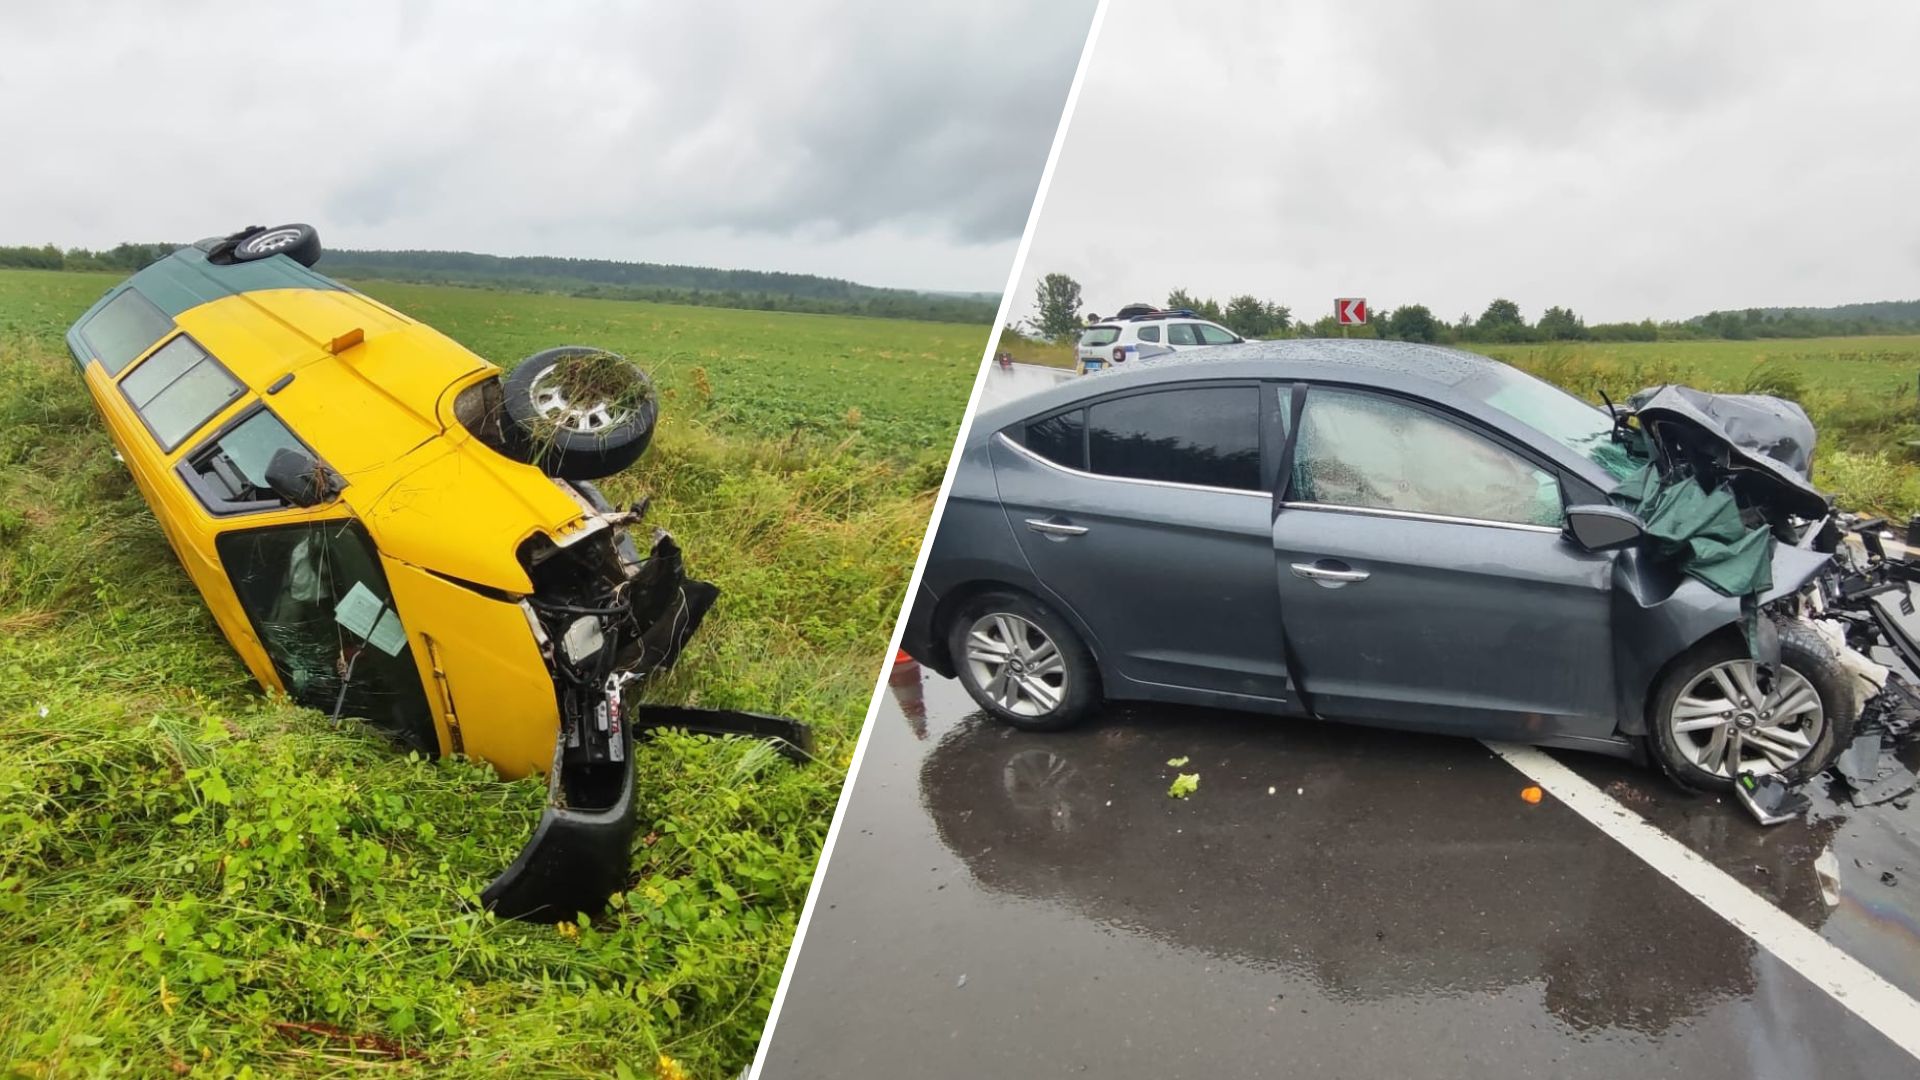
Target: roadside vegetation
x=702, y=286
x=1859, y=389
x=195, y=880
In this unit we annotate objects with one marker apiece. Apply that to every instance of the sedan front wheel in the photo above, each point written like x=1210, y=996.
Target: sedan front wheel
x=1715, y=716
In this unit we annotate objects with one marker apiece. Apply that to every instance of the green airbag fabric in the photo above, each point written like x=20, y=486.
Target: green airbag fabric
x=1701, y=532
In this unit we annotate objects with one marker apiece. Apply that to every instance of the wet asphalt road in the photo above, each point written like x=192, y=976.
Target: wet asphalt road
x=1005, y=384
x=1332, y=901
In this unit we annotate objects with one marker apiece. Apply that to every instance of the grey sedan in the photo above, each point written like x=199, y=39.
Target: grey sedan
x=1389, y=534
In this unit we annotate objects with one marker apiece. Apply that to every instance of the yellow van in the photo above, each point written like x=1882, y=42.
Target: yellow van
x=386, y=528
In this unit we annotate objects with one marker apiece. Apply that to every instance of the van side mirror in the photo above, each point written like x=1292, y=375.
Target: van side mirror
x=1603, y=528
x=299, y=479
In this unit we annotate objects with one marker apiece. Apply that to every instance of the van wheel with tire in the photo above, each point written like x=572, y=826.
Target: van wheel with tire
x=1022, y=662
x=580, y=413
x=1792, y=728
x=297, y=242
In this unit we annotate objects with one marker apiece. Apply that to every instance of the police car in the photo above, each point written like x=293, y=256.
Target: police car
x=1139, y=327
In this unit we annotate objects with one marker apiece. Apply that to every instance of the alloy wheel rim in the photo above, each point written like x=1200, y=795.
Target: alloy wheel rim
x=1778, y=729
x=550, y=401
x=272, y=240
x=1016, y=665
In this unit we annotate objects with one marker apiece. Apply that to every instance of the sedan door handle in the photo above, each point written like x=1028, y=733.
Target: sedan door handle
x=1055, y=528
x=1321, y=572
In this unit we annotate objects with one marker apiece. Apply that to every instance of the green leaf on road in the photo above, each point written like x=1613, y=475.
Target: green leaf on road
x=1179, y=761
x=1184, y=785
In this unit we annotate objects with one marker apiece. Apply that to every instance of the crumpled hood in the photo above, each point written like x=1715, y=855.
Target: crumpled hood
x=1766, y=441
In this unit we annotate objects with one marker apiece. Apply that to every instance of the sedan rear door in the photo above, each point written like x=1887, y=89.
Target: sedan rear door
x=1424, y=581
x=1146, y=515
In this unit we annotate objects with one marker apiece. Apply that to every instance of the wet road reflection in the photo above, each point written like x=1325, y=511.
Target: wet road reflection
x=1868, y=857
x=1330, y=902
x=1006, y=384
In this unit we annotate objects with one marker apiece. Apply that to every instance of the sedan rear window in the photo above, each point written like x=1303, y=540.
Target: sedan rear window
x=1100, y=335
x=177, y=389
x=1060, y=439
x=1207, y=435
x=125, y=328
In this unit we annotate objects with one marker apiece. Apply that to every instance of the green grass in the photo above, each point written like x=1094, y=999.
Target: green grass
x=197, y=880
x=1859, y=392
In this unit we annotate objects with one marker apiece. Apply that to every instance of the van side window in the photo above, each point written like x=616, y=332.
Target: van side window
x=177, y=389
x=228, y=472
x=126, y=327
x=1150, y=333
x=291, y=580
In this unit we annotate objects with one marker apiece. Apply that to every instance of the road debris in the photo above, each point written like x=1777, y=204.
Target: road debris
x=1531, y=794
x=1184, y=785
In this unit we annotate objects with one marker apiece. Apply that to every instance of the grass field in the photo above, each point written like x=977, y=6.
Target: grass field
x=196, y=880
x=1859, y=391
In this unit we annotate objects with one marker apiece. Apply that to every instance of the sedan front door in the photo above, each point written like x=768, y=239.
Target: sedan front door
x=1424, y=581
x=1146, y=516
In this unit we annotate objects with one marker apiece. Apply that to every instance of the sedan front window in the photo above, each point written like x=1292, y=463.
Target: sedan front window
x=1558, y=415
x=1372, y=452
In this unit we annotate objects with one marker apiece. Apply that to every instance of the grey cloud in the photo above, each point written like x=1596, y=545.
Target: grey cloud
x=1630, y=159
x=835, y=136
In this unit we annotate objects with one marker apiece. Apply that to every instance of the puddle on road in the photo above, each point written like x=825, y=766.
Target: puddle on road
x=1874, y=853
x=1006, y=384
x=1362, y=869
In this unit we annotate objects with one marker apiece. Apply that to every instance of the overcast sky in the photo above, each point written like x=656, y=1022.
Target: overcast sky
x=893, y=144
x=1628, y=159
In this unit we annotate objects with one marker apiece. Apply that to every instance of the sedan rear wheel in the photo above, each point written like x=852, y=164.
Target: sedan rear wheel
x=1016, y=664
x=1022, y=662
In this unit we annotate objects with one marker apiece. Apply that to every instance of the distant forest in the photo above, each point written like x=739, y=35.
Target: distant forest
x=1058, y=314
x=702, y=286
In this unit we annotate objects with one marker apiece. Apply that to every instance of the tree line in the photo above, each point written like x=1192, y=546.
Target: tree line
x=1058, y=315
x=757, y=290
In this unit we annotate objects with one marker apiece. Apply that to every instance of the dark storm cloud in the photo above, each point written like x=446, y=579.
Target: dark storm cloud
x=1629, y=159
x=898, y=144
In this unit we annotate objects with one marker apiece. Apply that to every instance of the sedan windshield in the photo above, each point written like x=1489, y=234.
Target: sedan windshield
x=1553, y=412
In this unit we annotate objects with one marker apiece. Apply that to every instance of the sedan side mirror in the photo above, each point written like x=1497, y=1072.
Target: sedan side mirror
x=1603, y=528
x=299, y=479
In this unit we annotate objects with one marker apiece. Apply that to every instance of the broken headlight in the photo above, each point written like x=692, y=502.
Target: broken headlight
x=583, y=640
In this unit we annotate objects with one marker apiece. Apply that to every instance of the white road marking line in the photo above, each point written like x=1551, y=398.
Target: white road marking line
x=1856, y=987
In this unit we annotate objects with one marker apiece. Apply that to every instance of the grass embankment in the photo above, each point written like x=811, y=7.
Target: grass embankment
x=1859, y=391
x=196, y=880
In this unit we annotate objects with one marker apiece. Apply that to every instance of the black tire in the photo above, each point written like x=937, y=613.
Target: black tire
x=301, y=243
x=582, y=448
x=1803, y=652
x=1077, y=689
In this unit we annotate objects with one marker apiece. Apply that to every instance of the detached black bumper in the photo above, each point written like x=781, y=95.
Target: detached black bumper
x=578, y=857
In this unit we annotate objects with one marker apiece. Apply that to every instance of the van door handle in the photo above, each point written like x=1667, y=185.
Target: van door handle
x=1330, y=572
x=1055, y=528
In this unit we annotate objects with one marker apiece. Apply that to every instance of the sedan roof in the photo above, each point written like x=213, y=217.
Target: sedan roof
x=1428, y=370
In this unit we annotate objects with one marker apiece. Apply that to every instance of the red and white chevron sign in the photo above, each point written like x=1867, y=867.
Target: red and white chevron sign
x=1350, y=310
